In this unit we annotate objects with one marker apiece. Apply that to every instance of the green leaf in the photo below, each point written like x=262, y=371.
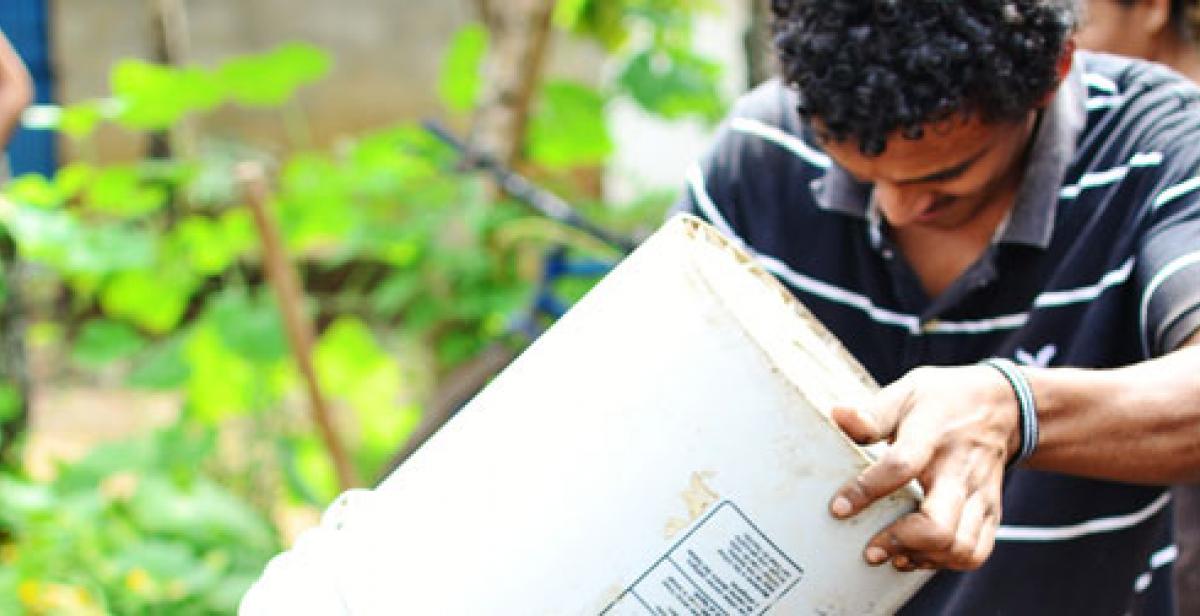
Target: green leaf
x=569, y=14
x=461, y=78
x=35, y=190
x=72, y=179
x=313, y=467
x=211, y=245
x=154, y=300
x=23, y=499
x=248, y=325
x=220, y=382
x=674, y=83
x=102, y=341
x=317, y=207
x=345, y=353
x=161, y=367
x=79, y=121
x=569, y=127
x=58, y=238
x=155, y=97
x=103, y=248
x=119, y=191
x=601, y=20
x=11, y=402
x=353, y=367
x=203, y=513
x=270, y=79
x=396, y=292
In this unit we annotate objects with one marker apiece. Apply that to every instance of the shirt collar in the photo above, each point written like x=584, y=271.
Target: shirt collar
x=1031, y=221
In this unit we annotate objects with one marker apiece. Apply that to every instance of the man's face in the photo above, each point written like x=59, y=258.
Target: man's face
x=1111, y=27
x=945, y=179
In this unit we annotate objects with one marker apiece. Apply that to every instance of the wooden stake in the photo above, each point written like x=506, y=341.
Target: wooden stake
x=284, y=280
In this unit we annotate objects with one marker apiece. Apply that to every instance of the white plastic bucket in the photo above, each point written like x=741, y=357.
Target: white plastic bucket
x=660, y=450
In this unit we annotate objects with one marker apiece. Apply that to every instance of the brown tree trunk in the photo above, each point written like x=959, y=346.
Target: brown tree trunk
x=761, y=64
x=519, y=33
x=172, y=46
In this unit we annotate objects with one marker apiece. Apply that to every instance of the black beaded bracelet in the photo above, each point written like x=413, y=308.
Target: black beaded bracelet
x=1025, y=402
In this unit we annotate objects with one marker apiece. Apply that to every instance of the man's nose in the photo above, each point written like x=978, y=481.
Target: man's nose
x=901, y=205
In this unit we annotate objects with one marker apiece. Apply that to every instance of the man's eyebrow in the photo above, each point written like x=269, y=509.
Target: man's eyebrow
x=948, y=173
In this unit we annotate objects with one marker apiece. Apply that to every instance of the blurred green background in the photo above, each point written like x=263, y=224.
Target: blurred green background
x=158, y=446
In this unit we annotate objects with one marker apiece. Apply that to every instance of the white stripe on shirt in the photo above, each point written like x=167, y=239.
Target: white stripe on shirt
x=1176, y=192
x=1082, y=529
x=784, y=140
x=909, y=322
x=1100, y=82
x=1158, y=560
x=1053, y=299
x=695, y=178
x=1110, y=176
x=1157, y=281
x=1103, y=102
x=840, y=295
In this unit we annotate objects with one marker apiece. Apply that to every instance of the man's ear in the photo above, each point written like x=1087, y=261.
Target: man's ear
x=1066, y=59
x=1155, y=17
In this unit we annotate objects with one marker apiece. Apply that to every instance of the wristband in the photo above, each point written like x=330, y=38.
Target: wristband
x=1025, y=403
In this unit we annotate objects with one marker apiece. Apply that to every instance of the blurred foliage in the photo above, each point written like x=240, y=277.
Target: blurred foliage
x=653, y=39
x=151, y=271
x=133, y=528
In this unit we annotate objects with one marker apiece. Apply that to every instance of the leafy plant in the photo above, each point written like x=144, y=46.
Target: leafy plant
x=151, y=271
x=134, y=528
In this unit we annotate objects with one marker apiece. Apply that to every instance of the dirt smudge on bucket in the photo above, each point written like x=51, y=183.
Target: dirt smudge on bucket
x=698, y=497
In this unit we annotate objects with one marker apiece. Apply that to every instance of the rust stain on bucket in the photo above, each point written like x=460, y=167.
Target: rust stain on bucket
x=698, y=497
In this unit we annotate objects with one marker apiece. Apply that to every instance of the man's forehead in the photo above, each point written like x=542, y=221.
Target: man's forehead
x=940, y=148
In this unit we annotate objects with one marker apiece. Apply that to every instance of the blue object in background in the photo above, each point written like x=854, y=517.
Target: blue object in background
x=26, y=23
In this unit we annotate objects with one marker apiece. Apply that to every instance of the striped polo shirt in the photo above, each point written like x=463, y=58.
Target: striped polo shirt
x=1097, y=265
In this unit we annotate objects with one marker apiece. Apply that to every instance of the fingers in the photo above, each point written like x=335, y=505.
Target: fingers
x=858, y=424
x=900, y=464
x=875, y=419
x=892, y=471
x=944, y=433
x=953, y=529
x=930, y=530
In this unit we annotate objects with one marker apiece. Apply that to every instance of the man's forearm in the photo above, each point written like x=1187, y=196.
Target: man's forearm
x=1139, y=424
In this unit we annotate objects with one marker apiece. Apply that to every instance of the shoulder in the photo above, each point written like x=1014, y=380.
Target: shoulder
x=765, y=125
x=1140, y=105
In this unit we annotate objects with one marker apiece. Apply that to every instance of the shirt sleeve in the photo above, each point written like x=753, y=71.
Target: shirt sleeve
x=709, y=190
x=1168, y=260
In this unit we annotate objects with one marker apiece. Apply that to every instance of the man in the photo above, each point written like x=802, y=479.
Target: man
x=1158, y=30
x=945, y=182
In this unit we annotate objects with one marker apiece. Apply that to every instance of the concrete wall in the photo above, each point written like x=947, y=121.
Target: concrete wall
x=386, y=55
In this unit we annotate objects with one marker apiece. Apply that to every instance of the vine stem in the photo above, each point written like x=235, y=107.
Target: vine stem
x=285, y=282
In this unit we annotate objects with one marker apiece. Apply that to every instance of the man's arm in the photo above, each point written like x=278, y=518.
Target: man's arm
x=1139, y=424
x=954, y=429
x=16, y=89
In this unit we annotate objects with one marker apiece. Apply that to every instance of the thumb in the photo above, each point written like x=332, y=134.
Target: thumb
x=858, y=423
x=873, y=419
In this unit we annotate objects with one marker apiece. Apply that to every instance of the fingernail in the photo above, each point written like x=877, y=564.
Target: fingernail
x=840, y=507
x=876, y=555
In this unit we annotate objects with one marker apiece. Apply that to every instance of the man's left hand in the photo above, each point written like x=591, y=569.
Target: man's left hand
x=952, y=430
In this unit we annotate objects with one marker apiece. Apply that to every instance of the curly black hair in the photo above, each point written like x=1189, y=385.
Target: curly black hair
x=869, y=68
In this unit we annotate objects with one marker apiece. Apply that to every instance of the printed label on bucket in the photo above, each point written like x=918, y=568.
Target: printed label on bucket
x=724, y=565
